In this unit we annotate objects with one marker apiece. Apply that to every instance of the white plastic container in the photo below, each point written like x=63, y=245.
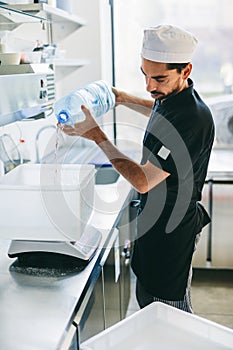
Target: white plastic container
x=163, y=327
x=46, y=201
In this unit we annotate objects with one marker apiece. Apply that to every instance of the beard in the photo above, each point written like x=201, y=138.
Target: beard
x=163, y=96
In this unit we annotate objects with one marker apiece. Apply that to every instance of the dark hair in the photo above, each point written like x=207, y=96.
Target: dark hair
x=177, y=66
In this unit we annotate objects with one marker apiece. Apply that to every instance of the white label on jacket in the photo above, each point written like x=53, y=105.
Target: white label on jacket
x=164, y=152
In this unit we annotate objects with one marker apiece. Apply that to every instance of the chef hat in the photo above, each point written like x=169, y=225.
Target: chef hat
x=168, y=44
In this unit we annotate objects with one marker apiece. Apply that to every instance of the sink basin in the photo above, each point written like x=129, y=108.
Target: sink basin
x=106, y=175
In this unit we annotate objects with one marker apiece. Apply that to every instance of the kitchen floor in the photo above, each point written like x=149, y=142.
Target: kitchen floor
x=212, y=295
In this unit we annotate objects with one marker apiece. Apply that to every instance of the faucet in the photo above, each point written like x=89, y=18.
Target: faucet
x=37, y=139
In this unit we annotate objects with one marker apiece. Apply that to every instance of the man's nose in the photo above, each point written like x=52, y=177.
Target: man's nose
x=150, y=84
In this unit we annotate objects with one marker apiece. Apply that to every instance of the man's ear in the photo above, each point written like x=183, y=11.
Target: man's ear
x=187, y=71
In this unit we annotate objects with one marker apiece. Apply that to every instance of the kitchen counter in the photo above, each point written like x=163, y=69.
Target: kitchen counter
x=37, y=311
x=221, y=165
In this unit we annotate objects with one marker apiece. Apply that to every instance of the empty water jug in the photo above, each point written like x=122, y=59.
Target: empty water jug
x=97, y=97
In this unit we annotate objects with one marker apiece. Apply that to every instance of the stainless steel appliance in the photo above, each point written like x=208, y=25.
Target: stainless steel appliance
x=222, y=109
x=26, y=90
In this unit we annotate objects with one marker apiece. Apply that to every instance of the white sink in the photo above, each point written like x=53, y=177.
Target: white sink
x=46, y=201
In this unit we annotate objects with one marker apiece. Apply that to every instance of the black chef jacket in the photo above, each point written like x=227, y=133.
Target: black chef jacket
x=178, y=139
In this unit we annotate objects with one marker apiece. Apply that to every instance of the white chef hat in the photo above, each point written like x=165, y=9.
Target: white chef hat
x=168, y=44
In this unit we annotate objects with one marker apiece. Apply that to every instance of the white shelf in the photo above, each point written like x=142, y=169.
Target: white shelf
x=63, y=67
x=69, y=62
x=51, y=13
x=11, y=18
x=63, y=23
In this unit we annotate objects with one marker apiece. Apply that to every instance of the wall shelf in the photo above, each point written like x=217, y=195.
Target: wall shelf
x=63, y=23
x=11, y=18
x=64, y=67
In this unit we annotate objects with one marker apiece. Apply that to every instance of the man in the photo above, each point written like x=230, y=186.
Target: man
x=170, y=177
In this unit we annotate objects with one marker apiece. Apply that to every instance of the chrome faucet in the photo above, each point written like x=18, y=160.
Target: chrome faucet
x=37, y=139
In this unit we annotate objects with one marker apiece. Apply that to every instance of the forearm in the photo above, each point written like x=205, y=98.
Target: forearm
x=129, y=169
x=142, y=177
x=135, y=103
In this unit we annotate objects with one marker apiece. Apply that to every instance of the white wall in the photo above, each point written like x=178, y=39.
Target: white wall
x=91, y=43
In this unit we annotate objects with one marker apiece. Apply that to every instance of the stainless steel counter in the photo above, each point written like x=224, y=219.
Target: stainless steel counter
x=37, y=311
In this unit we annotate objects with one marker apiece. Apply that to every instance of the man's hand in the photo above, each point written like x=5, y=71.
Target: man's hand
x=88, y=128
x=135, y=103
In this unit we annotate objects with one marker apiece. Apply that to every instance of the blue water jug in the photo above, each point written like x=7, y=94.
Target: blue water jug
x=97, y=97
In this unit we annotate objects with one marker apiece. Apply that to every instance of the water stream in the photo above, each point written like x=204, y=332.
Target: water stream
x=58, y=133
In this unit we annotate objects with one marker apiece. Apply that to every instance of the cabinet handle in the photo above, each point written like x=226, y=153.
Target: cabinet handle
x=126, y=252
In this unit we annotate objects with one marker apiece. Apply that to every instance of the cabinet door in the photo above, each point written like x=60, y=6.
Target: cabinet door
x=112, y=288
x=92, y=321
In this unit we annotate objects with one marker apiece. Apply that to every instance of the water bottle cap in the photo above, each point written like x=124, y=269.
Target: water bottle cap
x=63, y=117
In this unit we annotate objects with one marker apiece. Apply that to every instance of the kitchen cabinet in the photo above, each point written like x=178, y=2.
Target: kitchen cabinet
x=90, y=319
x=116, y=269
x=100, y=306
x=108, y=301
x=112, y=284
